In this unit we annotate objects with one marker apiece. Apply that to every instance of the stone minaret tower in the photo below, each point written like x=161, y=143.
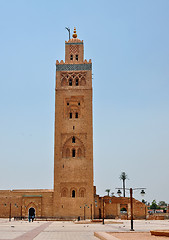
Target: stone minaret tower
x=73, y=150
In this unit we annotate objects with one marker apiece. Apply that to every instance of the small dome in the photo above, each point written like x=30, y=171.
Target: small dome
x=74, y=40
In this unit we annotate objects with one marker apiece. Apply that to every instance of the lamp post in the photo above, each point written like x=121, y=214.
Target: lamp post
x=84, y=213
x=84, y=210
x=91, y=212
x=10, y=212
x=21, y=212
x=119, y=193
x=131, y=201
x=131, y=208
x=103, y=210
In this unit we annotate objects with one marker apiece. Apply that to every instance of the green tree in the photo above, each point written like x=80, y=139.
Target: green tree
x=123, y=177
x=123, y=209
x=143, y=201
x=108, y=191
x=153, y=205
x=162, y=203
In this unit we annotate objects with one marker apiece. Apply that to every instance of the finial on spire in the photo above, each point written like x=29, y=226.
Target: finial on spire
x=74, y=33
x=67, y=28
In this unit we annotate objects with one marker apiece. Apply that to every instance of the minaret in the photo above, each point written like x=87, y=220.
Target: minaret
x=73, y=149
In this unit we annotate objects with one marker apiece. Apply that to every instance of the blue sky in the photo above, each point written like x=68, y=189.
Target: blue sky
x=128, y=42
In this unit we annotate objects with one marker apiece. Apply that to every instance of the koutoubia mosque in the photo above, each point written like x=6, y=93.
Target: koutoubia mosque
x=74, y=194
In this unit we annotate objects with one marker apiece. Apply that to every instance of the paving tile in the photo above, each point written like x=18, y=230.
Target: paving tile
x=42, y=230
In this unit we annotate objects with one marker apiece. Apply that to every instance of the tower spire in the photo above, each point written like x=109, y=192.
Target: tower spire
x=74, y=33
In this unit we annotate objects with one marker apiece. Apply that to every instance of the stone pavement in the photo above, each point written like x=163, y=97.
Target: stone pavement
x=135, y=236
x=42, y=230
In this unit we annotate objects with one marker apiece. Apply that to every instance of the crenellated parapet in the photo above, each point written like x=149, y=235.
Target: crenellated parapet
x=62, y=62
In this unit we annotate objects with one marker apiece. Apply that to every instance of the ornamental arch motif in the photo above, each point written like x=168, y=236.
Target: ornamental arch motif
x=73, y=79
x=31, y=205
x=82, y=192
x=64, y=82
x=67, y=152
x=83, y=81
x=73, y=109
x=64, y=192
x=79, y=152
x=73, y=147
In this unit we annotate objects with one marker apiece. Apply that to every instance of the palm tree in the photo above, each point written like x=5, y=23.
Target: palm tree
x=123, y=177
x=108, y=191
x=112, y=194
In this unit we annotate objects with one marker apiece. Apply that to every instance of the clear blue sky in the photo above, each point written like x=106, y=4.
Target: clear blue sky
x=128, y=42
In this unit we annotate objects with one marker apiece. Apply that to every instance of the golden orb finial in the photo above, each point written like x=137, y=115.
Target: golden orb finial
x=74, y=33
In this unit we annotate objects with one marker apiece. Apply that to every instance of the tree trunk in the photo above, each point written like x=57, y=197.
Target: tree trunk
x=123, y=187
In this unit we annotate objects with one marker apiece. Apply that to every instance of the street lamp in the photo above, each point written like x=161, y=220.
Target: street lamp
x=10, y=210
x=84, y=209
x=85, y=206
x=119, y=193
x=103, y=210
x=142, y=193
x=131, y=200
x=91, y=212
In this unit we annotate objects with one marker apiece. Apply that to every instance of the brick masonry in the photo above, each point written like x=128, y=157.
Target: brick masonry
x=73, y=195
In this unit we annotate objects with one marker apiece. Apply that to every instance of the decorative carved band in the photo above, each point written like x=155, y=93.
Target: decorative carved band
x=74, y=43
x=74, y=67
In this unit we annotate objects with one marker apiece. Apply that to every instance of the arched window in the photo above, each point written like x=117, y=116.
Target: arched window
x=77, y=81
x=73, y=153
x=70, y=115
x=73, y=193
x=73, y=139
x=71, y=57
x=76, y=57
x=70, y=82
x=76, y=115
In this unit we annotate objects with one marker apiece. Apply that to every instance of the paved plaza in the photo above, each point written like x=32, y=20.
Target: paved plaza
x=42, y=230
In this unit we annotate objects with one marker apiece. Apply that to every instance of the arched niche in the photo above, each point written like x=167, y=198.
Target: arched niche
x=82, y=81
x=64, y=192
x=82, y=192
x=73, y=147
x=64, y=82
x=73, y=109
